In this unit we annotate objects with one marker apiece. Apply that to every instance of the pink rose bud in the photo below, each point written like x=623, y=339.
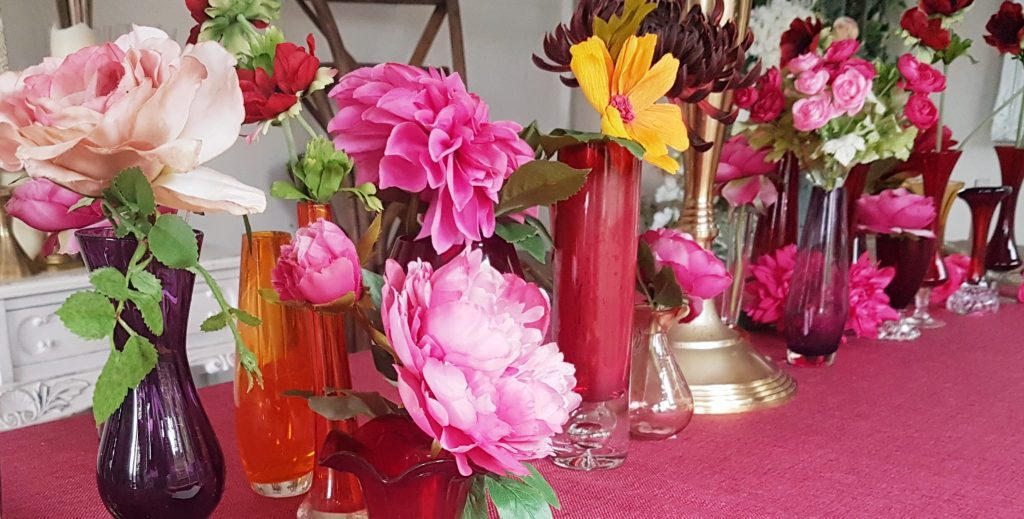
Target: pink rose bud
x=44, y=206
x=804, y=62
x=699, y=273
x=319, y=267
x=841, y=50
x=896, y=211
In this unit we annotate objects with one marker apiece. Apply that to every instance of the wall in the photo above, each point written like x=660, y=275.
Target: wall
x=500, y=35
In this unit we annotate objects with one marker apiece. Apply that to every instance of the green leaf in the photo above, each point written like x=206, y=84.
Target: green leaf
x=88, y=315
x=270, y=295
x=366, y=242
x=541, y=485
x=667, y=293
x=536, y=246
x=152, y=314
x=476, y=502
x=384, y=362
x=135, y=191
x=110, y=282
x=148, y=284
x=515, y=499
x=540, y=182
x=173, y=242
x=350, y=404
x=559, y=139
x=645, y=262
x=246, y=317
x=123, y=371
x=286, y=191
x=215, y=322
x=374, y=284
x=514, y=232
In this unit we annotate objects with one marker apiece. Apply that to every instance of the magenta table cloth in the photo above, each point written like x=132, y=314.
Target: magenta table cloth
x=922, y=429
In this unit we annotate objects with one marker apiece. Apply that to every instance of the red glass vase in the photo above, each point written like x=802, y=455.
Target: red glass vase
x=1002, y=254
x=595, y=235
x=778, y=227
x=400, y=479
x=910, y=257
x=975, y=295
x=936, y=169
x=500, y=253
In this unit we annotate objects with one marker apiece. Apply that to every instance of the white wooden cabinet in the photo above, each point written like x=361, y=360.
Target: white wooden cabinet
x=47, y=373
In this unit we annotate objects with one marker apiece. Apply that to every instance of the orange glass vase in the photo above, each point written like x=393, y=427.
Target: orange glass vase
x=334, y=495
x=274, y=432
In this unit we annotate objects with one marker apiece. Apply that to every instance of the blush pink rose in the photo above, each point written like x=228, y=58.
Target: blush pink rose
x=804, y=62
x=44, y=206
x=768, y=287
x=921, y=111
x=319, y=267
x=841, y=50
x=812, y=82
x=492, y=393
x=920, y=77
x=141, y=101
x=956, y=273
x=699, y=273
x=849, y=91
x=811, y=113
x=869, y=304
x=896, y=211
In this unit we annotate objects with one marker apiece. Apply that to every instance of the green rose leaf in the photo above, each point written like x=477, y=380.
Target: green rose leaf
x=286, y=191
x=110, y=282
x=541, y=485
x=148, y=284
x=537, y=183
x=645, y=261
x=535, y=246
x=667, y=293
x=514, y=232
x=350, y=404
x=476, y=502
x=124, y=370
x=559, y=139
x=215, y=322
x=135, y=191
x=384, y=362
x=173, y=242
x=89, y=315
x=246, y=317
x=152, y=314
x=374, y=284
x=516, y=499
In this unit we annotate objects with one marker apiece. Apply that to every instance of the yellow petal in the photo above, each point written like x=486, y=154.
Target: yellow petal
x=592, y=66
x=662, y=123
x=611, y=123
x=654, y=84
x=664, y=162
x=633, y=62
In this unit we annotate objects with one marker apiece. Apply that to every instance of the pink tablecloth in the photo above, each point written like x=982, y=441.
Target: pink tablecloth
x=924, y=429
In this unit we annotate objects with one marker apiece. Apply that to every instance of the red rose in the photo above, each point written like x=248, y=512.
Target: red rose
x=928, y=30
x=920, y=77
x=921, y=111
x=746, y=97
x=802, y=37
x=841, y=50
x=769, y=100
x=267, y=96
x=1006, y=28
x=944, y=7
x=197, y=8
x=925, y=140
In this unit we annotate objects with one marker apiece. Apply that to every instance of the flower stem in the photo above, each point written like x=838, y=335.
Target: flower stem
x=992, y=115
x=942, y=111
x=245, y=356
x=1020, y=127
x=305, y=126
x=289, y=139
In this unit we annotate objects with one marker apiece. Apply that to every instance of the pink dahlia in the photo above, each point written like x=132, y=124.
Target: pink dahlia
x=422, y=132
x=742, y=171
x=768, y=287
x=869, y=304
x=956, y=274
x=492, y=394
x=896, y=211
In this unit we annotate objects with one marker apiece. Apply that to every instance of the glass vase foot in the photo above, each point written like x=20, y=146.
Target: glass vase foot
x=295, y=487
x=901, y=330
x=596, y=436
x=812, y=361
x=973, y=299
x=306, y=512
x=926, y=321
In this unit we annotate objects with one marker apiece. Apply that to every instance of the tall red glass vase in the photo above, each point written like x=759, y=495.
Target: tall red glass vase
x=778, y=227
x=1002, y=254
x=595, y=235
x=333, y=495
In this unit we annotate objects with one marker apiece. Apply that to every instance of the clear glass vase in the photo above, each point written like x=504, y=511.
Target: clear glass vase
x=660, y=402
x=818, y=301
x=744, y=224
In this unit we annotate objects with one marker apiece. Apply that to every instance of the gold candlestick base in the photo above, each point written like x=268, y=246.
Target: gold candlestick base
x=724, y=371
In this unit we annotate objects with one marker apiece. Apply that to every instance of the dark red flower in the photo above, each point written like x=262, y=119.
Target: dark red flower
x=768, y=101
x=267, y=96
x=801, y=37
x=197, y=8
x=1006, y=28
x=944, y=7
x=928, y=30
x=925, y=140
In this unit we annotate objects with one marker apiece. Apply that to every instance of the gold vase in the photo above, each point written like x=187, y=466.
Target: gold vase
x=14, y=263
x=726, y=374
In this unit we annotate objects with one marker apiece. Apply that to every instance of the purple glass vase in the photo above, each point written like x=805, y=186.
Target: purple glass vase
x=158, y=455
x=818, y=301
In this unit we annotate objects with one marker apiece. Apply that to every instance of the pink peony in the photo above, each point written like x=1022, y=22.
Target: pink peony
x=869, y=304
x=812, y=82
x=699, y=273
x=811, y=113
x=422, y=132
x=492, y=394
x=849, y=91
x=768, y=287
x=841, y=50
x=921, y=111
x=319, y=267
x=141, y=101
x=742, y=170
x=920, y=77
x=956, y=273
x=896, y=211
x=804, y=63
x=44, y=206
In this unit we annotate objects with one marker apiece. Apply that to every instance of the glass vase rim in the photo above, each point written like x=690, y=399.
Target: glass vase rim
x=107, y=234
x=985, y=190
x=413, y=472
x=1007, y=147
x=933, y=153
x=268, y=234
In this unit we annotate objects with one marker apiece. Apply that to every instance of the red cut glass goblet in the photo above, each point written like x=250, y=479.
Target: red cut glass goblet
x=910, y=256
x=975, y=295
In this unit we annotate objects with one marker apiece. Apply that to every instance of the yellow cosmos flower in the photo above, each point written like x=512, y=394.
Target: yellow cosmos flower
x=625, y=94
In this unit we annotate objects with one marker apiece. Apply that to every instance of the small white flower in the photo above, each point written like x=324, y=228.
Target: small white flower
x=769, y=21
x=845, y=148
x=664, y=217
x=668, y=191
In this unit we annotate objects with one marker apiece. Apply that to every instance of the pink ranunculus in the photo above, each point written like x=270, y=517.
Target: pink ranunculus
x=921, y=111
x=44, y=206
x=896, y=211
x=142, y=102
x=768, y=286
x=699, y=273
x=422, y=132
x=920, y=77
x=849, y=91
x=319, y=267
x=493, y=393
x=841, y=50
x=956, y=273
x=804, y=62
x=811, y=113
x=812, y=82
x=869, y=304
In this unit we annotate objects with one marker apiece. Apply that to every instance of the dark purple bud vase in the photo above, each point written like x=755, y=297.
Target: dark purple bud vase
x=158, y=456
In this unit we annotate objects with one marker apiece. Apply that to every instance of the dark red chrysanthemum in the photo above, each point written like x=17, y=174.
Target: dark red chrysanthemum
x=580, y=28
x=801, y=37
x=1006, y=28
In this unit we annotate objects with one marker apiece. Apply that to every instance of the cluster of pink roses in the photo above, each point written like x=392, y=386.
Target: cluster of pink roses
x=920, y=79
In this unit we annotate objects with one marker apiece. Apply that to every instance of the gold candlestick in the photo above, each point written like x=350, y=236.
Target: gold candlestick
x=725, y=373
